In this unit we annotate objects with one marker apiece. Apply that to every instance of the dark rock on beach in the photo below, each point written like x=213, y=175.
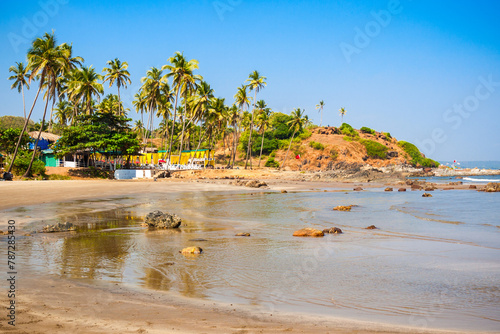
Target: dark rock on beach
x=402, y=189
x=59, y=227
x=332, y=230
x=243, y=234
x=426, y=195
x=358, y=189
x=472, y=186
x=158, y=219
x=388, y=189
x=371, y=227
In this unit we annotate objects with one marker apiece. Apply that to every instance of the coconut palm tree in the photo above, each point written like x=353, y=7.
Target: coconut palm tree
x=84, y=85
x=234, y=117
x=117, y=73
x=152, y=88
x=263, y=122
x=342, y=113
x=320, y=106
x=47, y=62
x=20, y=75
x=181, y=72
x=63, y=112
x=256, y=82
x=139, y=103
x=296, y=123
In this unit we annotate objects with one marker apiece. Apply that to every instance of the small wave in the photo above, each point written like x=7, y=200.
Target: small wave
x=480, y=180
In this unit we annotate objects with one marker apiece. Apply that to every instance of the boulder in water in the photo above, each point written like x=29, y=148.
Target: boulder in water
x=191, y=250
x=426, y=195
x=388, y=189
x=492, y=187
x=308, y=232
x=158, y=219
x=332, y=230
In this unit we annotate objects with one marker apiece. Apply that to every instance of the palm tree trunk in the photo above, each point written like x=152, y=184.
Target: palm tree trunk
x=249, y=148
x=261, y=145
x=24, y=129
x=24, y=105
x=51, y=111
x=183, y=126
x=28, y=171
x=290, y=145
x=119, y=102
x=173, y=124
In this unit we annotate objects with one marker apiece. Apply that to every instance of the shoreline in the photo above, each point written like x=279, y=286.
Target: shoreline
x=44, y=305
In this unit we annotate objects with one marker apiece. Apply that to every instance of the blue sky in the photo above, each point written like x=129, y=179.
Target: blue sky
x=426, y=71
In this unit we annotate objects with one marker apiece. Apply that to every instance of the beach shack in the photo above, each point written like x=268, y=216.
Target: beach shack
x=46, y=139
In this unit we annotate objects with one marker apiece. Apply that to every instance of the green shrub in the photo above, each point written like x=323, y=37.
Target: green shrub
x=334, y=154
x=22, y=162
x=374, y=149
x=316, y=145
x=387, y=135
x=273, y=154
x=272, y=163
x=305, y=134
x=364, y=129
x=348, y=130
x=347, y=138
x=417, y=158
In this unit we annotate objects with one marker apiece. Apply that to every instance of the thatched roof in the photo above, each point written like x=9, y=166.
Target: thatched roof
x=44, y=135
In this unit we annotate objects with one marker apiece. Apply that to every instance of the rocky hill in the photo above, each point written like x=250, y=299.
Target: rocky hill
x=328, y=147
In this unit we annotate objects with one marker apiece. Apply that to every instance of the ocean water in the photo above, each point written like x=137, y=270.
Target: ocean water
x=432, y=262
x=473, y=164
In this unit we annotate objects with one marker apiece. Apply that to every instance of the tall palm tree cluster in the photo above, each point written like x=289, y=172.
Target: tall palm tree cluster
x=190, y=114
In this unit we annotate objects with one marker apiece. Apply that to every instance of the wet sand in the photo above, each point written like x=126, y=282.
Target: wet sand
x=49, y=304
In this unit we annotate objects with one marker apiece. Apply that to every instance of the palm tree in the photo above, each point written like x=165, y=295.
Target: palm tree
x=117, y=72
x=63, y=110
x=234, y=117
x=139, y=103
x=342, y=113
x=320, y=106
x=183, y=79
x=263, y=122
x=296, y=123
x=152, y=88
x=84, y=85
x=256, y=83
x=47, y=62
x=19, y=77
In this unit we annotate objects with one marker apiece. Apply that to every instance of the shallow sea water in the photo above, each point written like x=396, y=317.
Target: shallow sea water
x=432, y=262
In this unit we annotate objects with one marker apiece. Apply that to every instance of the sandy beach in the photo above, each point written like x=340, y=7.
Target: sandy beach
x=47, y=303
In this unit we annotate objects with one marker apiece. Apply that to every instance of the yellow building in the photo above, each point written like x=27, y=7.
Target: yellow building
x=203, y=157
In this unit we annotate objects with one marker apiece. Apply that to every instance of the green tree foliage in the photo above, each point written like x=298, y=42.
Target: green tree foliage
x=365, y=129
x=272, y=163
x=417, y=158
x=22, y=162
x=348, y=130
x=9, y=138
x=103, y=132
x=279, y=123
x=374, y=149
x=7, y=122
